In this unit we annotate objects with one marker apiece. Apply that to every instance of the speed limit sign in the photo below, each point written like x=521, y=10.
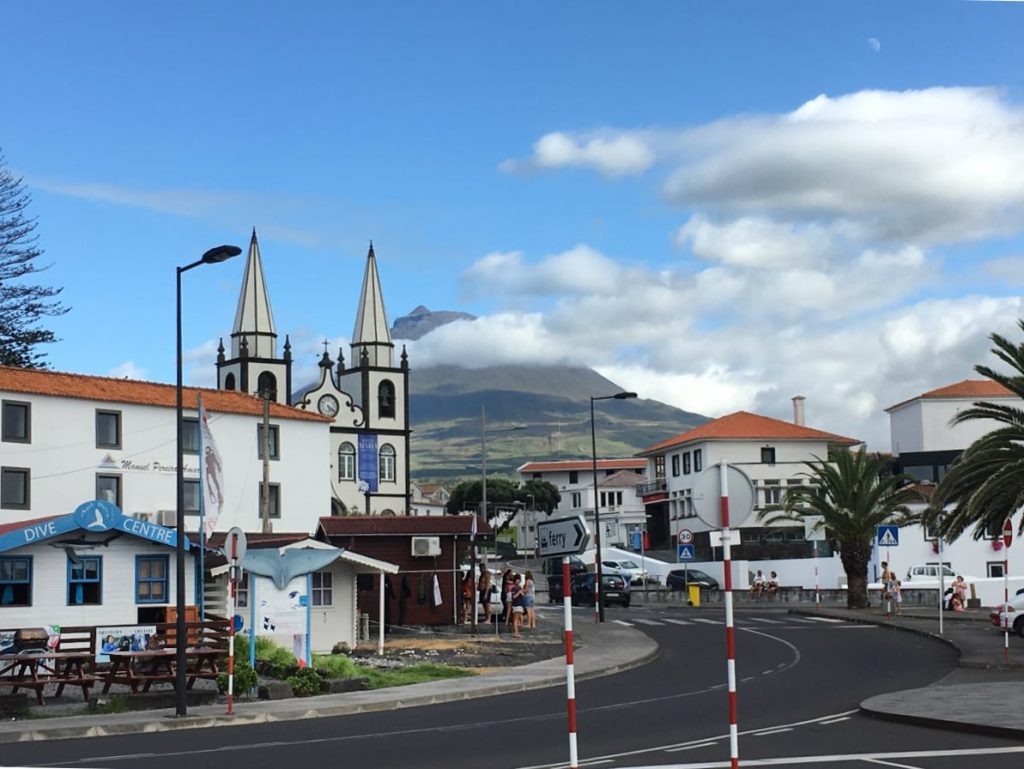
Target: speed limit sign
x=685, y=536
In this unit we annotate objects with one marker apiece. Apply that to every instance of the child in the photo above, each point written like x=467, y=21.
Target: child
x=897, y=595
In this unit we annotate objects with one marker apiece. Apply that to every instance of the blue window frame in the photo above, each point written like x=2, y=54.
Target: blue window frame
x=151, y=578
x=85, y=580
x=16, y=581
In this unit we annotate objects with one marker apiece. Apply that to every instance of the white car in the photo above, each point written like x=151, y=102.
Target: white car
x=625, y=568
x=1010, y=615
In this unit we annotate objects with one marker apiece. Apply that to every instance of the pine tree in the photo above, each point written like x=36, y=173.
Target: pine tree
x=22, y=304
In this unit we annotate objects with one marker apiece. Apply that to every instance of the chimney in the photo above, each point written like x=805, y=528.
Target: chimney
x=798, y=410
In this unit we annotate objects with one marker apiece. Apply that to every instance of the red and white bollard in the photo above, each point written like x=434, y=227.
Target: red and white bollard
x=570, y=673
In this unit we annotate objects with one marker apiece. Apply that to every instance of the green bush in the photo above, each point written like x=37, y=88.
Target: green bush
x=335, y=666
x=245, y=677
x=307, y=683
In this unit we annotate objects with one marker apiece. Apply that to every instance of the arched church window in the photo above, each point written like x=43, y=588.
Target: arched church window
x=266, y=385
x=229, y=382
x=387, y=462
x=346, y=462
x=386, y=399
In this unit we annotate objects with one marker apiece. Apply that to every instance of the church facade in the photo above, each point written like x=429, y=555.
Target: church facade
x=367, y=400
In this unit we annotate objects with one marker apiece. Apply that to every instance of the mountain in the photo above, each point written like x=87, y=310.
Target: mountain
x=549, y=406
x=422, y=321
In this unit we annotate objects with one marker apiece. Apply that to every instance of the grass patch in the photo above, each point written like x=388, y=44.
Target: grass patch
x=414, y=674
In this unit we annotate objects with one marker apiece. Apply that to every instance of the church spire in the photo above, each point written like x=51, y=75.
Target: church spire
x=254, y=322
x=371, y=340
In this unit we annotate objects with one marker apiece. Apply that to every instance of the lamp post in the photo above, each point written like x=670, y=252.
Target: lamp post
x=214, y=255
x=531, y=542
x=598, y=605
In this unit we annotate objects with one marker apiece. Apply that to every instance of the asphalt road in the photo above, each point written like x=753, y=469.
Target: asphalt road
x=801, y=681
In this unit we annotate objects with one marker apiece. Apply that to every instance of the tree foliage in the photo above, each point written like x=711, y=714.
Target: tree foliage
x=853, y=496
x=503, y=494
x=23, y=305
x=985, y=485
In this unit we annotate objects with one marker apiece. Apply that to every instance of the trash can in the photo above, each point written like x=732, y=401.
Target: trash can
x=694, y=594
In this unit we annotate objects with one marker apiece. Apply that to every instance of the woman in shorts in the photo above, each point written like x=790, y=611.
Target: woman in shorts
x=530, y=599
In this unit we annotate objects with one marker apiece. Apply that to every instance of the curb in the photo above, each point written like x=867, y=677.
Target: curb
x=544, y=680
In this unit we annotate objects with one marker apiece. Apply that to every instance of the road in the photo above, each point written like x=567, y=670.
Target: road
x=801, y=680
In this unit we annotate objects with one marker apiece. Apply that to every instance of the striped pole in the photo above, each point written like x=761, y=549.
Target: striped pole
x=232, y=586
x=570, y=672
x=730, y=637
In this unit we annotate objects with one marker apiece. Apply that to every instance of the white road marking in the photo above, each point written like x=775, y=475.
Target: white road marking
x=708, y=621
x=692, y=747
x=653, y=622
x=773, y=731
x=623, y=622
x=891, y=763
x=766, y=620
x=679, y=621
x=834, y=721
x=825, y=619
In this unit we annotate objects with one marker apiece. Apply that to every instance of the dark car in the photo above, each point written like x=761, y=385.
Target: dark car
x=613, y=589
x=553, y=566
x=677, y=579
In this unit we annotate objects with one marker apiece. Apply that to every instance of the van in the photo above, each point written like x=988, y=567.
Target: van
x=930, y=571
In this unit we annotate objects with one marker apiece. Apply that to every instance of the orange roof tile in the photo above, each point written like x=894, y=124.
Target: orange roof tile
x=109, y=390
x=582, y=464
x=746, y=426
x=968, y=388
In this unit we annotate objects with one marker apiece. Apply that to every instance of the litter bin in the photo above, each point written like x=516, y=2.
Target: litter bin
x=694, y=594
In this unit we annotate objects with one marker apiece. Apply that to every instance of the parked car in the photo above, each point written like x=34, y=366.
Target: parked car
x=1010, y=615
x=930, y=571
x=614, y=589
x=553, y=566
x=677, y=579
x=625, y=568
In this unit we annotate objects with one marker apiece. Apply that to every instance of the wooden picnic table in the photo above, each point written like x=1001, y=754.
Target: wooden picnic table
x=34, y=670
x=144, y=668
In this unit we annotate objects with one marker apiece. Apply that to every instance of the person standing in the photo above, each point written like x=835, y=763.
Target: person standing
x=484, y=587
x=530, y=600
x=886, y=578
x=897, y=595
x=506, y=596
x=516, y=605
x=467, y=597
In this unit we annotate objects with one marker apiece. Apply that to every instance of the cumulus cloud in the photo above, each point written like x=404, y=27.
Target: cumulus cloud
x=611, y=155
x=874, y=44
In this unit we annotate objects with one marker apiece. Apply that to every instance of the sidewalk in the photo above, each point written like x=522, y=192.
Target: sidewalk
x=601, y=650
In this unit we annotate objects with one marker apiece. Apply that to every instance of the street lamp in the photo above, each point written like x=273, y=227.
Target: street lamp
x=598, y=605
x=214, y=255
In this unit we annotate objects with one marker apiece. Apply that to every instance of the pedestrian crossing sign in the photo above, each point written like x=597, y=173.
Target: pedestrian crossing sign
x=888, y=536
x=684, y=553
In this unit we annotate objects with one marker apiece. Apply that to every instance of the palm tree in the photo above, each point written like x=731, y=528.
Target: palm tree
x=985, y=486
x=852, y=496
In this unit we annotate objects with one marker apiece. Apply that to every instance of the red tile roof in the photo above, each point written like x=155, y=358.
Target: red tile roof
x=622, y=478
x=582, y=464
x=746, y=426
x=109, y=390
x=968, y=388
x=257, y=539
x=17, y=525
x=398, y=525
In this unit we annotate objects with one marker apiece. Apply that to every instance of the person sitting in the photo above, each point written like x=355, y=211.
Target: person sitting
x=757, y=586
x=955, y=603
x=772, y=586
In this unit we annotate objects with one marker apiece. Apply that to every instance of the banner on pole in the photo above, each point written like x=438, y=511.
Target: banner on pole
x=211, y=476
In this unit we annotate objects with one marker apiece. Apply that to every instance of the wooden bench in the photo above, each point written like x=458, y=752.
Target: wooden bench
x=34, y=670
x=145, y=668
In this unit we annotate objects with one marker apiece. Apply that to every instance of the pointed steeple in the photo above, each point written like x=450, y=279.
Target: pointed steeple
x=371, y=340
x=254, y=322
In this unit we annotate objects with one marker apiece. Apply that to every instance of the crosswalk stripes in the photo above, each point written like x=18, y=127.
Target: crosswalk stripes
x=643, y=621
x=679, y=621
x=824, y=619
x=708, y=621
x=623, y=622
x=766, y=620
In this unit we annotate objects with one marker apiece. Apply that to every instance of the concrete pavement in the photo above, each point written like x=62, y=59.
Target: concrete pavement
x=981, y=696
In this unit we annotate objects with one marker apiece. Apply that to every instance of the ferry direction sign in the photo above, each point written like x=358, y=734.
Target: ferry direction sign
x=562, y=536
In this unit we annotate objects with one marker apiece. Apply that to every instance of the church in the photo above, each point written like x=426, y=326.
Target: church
x=367, y=400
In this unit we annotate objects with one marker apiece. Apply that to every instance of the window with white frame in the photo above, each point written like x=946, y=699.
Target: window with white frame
x=242, y=591
x=698, y=460
x=323, y=588
x=346, y=462
x=675, y=465
x=577, y=500
x=386, y=459
x=772, y=492
x=686, y=463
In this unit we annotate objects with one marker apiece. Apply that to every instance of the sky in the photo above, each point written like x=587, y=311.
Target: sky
x=719, y=205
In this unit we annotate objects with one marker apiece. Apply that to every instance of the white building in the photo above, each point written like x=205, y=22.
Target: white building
x=622, y=510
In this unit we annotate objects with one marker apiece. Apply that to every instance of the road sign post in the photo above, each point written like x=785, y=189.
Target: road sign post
x=562, y=536
x=1007, y=541
x=234, y=549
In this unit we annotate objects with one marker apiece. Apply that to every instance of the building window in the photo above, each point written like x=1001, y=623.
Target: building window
x=659, y=466
x=273, y=436
x=191, y=497
x=994, y=568
x=108, y=429
x=266, y=386
x=17, y=422
x=574, y=476
x=190, y=435
x=15, y=483
x=993, y=530
x=346, y=462
x=611, y=498
x=538, y=476
x=686, y=463
x=698, y=460
x=675, y=465
x=577, y=500
x=772, y=493
x=386, y=400
x=108, y=488
x=85, y=580
x=275, y=500
x=16, y=581
x=768, y=455
x=242, y=591
x=151, y=578
x=323, y=588
x=229, y=382
x=387, y=462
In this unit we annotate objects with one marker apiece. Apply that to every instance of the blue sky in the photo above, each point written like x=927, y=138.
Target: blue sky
x=717, y=204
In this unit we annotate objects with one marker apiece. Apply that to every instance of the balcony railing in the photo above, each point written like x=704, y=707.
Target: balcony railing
x=651, y=487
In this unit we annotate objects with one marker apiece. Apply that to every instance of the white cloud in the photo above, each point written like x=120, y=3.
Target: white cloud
x=874, y=44
x=755, y=242
x=611, y=155
x=127, y=370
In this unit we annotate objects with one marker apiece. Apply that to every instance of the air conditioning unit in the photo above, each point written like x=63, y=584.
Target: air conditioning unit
x=143, y=516
x=423, y=546
x=166, y=517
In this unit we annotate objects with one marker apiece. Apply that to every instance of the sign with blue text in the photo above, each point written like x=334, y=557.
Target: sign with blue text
x=368, y=463
x=887, y=536
x=685, y=553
